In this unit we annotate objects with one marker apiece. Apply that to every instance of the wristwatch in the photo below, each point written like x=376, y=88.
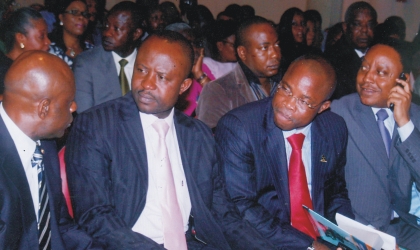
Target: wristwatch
x=311, y=247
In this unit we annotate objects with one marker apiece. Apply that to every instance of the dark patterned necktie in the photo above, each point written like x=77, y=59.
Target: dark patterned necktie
x=123, y=78
x=44, y=229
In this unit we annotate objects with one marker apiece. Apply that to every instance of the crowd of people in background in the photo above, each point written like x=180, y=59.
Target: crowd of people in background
x=246, y=87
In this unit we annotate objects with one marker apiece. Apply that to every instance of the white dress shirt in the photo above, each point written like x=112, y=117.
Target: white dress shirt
x=306, y=151
x=128, y=69
x=360, y=53
x=150, y=221
x=26, y=148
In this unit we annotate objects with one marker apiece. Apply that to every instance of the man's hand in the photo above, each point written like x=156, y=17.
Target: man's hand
x=401, y=97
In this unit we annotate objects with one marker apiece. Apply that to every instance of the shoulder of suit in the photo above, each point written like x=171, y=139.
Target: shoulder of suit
x=255, y=110
x=92, y=54
x=345, y=103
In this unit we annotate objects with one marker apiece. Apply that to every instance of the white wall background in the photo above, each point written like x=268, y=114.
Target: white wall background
x=332, y=11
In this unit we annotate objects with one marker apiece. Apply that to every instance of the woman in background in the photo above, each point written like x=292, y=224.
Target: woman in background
x=68, y=38
x=24, y=30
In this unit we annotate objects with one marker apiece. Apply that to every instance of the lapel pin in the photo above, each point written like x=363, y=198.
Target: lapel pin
x=323, y=158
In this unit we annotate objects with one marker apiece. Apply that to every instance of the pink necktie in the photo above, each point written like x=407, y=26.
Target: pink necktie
x=173, y=229
x=298, y=188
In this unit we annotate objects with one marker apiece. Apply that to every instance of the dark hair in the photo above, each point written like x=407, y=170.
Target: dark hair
x=285, y=26
x=220, y=31
x=244, y=26
x=355, y=8
x=19, y=22
x=56, y=35
x=313, y=15
x=247, y=12
x=170, y=12
x=137, y=15
x=234, y=11
x=175, y=37
x=325, y=64
x=402, y=49
x=399, y=24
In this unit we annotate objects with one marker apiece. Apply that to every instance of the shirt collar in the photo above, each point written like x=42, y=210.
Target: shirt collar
x=360, y=53
x=24, y=145
x=131, y=58
x=305, y=130
x=148, y=119
x=388, y=111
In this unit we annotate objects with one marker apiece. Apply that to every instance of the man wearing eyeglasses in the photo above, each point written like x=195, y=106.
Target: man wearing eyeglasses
x=346, y=54
x=104, y=73
x=269, y=175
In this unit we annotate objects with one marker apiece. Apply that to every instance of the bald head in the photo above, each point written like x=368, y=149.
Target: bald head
x=318, y=66
x=38, y=87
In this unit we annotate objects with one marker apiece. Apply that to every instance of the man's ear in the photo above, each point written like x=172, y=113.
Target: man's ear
x=137, y=34
x=43, y=108
x=219, y=45
x=185, y=85
x=344, y=26
x=241, y=52
x=324, y=106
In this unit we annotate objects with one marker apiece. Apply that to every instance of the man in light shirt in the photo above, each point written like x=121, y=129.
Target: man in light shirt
x=98, y=71
x=37, y=105
x=119, y=179
x=383, y=147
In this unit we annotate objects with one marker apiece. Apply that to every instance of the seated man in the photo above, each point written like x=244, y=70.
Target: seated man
x=142, y=174
x=269, y=176
x=383, y=148
x=37, y=105
x=252, y=79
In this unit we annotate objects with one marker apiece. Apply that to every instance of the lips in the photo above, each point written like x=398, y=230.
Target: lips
x=145, y=98
x=107, y=43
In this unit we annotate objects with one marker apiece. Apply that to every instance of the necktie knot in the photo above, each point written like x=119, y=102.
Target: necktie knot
x=123, y=62
x=296, y=141
x=382, y=115
x=161, y=127
x=37, y=156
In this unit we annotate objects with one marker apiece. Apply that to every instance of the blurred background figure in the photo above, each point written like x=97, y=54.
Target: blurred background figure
x=291, y=31
x=24, y=30
x=155, y=20
x=334, y=34
x=93, y=31
x=68, y=38
x=313, y=21
x=185, y=6
x=170, y=12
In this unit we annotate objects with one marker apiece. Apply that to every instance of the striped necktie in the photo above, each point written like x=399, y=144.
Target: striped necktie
x=44, y=229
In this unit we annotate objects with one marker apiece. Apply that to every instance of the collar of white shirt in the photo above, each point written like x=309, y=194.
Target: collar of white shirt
x=148, y=119
x=24, y=145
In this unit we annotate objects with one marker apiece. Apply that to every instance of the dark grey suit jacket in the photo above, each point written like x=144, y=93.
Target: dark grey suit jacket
x=252, y=154
x=18, y=223
x=108, y=177
x=377, y=185
x=96, y=78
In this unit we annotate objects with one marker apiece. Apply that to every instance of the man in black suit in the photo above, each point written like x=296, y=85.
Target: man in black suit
x=37, y=105
x=115, y=174
x=345, y=55
x=254, y=148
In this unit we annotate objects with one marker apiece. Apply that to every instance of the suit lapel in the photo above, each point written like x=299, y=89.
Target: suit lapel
x=13, y=168
x=132, y=131
x=365, y=119
x=244, y=90
x=277, y=162
x=109, y=67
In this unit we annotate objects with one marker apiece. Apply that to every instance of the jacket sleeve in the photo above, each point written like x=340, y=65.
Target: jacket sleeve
x=88, y=162
x=237, y=162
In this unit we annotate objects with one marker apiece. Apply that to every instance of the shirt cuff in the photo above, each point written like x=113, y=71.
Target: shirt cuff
x=406, y=130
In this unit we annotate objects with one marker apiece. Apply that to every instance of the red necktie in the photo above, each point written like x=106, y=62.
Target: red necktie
x=298, y=187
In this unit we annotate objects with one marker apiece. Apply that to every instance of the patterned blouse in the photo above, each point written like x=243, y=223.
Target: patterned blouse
x=55, y=50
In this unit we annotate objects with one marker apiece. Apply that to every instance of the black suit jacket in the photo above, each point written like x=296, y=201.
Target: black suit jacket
x=18, y=224
x=346, y=63
x=252, y=153
x=108, y=178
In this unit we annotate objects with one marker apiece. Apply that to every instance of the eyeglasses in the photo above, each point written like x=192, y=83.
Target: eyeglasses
x=230, y=44
x=302, y=104
x=85, y=14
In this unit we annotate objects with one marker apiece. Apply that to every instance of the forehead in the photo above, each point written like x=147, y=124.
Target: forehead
x=383, y=54
x=76, y=5
x=362, y=14
x=259, y=32
x=307, y=76
x=37, y=24
x=159, y=52
x=120, y=17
